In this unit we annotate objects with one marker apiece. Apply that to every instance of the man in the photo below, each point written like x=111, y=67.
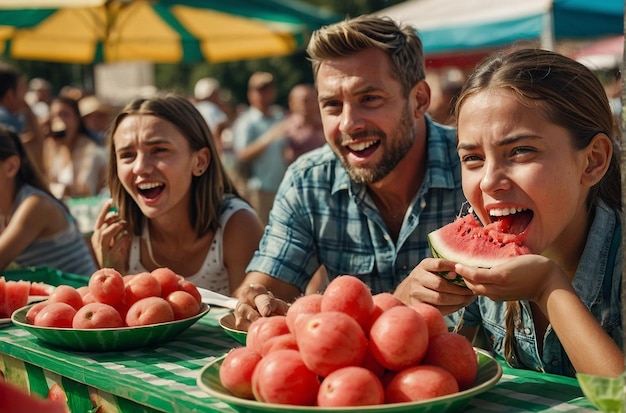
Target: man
x=39, y=96
x=301, y=129
x=363, y=204
x=206, y=95
x=266, y=163
x=450, y=82
x=16, y=114
x=303, y=126
x=97, y=116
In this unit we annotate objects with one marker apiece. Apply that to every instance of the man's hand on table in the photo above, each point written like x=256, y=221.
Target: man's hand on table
x=256, y=301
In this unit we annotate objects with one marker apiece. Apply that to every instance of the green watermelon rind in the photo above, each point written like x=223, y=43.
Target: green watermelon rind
x=458, y=280
x=452, y=256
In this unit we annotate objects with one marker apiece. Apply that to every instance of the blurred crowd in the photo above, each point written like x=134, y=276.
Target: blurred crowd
x=64, y=131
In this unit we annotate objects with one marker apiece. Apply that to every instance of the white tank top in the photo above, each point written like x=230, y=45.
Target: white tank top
x=212, y=274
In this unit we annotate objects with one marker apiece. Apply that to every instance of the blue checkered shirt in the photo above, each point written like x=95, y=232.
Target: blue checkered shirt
x=320, y=217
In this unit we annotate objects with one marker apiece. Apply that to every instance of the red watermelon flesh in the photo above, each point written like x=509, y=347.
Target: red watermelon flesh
x=16, y=297
x=40, y=289
x=468, y=242
x=3, y=284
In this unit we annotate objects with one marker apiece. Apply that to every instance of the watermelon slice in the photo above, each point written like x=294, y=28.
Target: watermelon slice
x=16, y=297
x=16, y=294
x=468, y=242
x=40, y=289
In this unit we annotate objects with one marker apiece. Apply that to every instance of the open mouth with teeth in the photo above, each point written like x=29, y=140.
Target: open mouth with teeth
x=511, y=220
x=151, y=190
x=364, y=148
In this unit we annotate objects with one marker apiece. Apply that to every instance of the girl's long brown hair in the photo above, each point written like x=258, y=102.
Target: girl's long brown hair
x=11, y=145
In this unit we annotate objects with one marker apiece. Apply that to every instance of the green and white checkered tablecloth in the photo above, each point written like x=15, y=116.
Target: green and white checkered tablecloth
x=163, y=379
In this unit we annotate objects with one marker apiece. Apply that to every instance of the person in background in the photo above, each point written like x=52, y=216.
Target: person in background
x=364, y=203
x=177, y=208
x=72, y=92
x=263, y=167
x=75, y=165
x=36, y=229
x=301, y=129
x=449, y=81
x=536, y=143
x=97, y=116
x=612, y=82
x=206, y=95
x=39, y=96
x=16, y=114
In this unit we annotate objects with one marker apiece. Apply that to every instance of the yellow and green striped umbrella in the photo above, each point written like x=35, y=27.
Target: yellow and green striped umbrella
x=159, y=31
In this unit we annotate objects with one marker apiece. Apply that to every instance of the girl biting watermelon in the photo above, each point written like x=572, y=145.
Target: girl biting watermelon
x=538, y=151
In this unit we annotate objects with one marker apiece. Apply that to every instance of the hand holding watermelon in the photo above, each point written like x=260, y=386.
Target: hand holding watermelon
x=467, y=242
x=520, y=278
x=428, y=284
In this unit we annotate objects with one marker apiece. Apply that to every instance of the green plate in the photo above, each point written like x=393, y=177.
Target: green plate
x=228, y=324
x=107, y=339
x=489, y=372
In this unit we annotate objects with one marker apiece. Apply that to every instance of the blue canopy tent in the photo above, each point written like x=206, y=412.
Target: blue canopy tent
x=457, y=30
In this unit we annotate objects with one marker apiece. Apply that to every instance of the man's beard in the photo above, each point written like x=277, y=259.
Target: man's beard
x=402, y=138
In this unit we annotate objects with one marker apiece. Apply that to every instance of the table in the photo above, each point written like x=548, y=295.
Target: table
x=163, y=379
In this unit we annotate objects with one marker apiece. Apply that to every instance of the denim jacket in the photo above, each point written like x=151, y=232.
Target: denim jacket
x=597, y=282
